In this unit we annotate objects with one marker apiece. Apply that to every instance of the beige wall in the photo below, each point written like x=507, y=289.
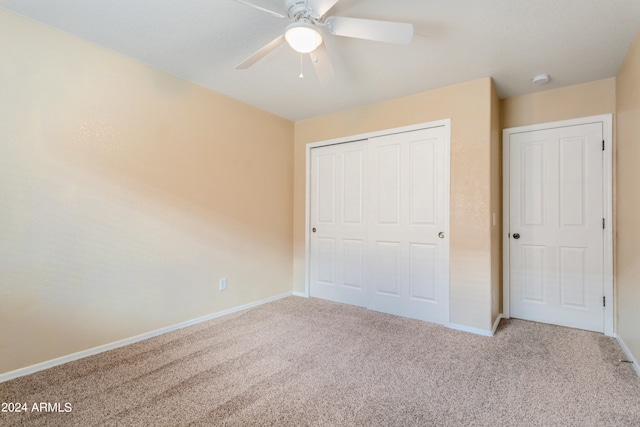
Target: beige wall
x=468, y=105
x=582, y=100
x=627, y=239
x=125, y=195
x=496, y=207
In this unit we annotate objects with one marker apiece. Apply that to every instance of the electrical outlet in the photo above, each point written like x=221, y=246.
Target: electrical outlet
x=223, y=284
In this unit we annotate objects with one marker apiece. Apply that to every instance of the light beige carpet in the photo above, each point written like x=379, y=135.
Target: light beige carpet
x=311, y=362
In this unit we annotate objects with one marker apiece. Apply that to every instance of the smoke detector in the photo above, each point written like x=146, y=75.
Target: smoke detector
x=541, y=79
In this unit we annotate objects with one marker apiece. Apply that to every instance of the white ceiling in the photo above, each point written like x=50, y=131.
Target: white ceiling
x=456, y=40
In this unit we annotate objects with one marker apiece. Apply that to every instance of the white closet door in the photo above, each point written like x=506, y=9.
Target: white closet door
x=338, y=219
x=408, y=245
x=377, y=211
x=557, y=238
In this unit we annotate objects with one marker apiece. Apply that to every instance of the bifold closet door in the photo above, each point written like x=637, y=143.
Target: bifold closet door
x=338, y=219
x=408, y=249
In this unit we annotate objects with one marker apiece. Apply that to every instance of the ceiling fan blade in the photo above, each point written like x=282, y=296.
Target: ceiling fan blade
x=261, y=53
x=322, y=64
x=381, y=31
x=263, y=9
x=320, y=7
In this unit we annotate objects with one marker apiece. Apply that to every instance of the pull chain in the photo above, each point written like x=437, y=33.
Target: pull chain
x=301, y=75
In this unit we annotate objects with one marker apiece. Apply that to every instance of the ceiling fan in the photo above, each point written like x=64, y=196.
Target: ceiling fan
x=308, y=22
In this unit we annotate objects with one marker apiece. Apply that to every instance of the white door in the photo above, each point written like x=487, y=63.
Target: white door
x=408, y=247
x=379, y=224
x=338, y=217
x=556, y=226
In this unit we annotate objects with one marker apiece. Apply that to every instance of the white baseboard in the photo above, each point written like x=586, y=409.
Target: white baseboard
x=106, y=347
x=626, y=350
x=476, y=331
x=495, y=324
x=300, y=294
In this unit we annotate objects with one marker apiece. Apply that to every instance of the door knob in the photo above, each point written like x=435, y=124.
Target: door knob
x=313, y=229
x=441, y=235
x=516, y=235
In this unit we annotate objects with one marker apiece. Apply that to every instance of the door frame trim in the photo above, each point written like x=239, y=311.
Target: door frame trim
x=446, y=123
x=607, y=175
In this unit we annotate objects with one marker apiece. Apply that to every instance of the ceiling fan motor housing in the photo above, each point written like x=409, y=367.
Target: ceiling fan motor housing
x=298, y=9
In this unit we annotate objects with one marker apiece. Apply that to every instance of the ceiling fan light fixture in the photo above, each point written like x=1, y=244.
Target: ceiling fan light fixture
x=303, y=37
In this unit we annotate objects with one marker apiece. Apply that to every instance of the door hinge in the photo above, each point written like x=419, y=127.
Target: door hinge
x=604, y=301
x=603, y=145
x=603, y=223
